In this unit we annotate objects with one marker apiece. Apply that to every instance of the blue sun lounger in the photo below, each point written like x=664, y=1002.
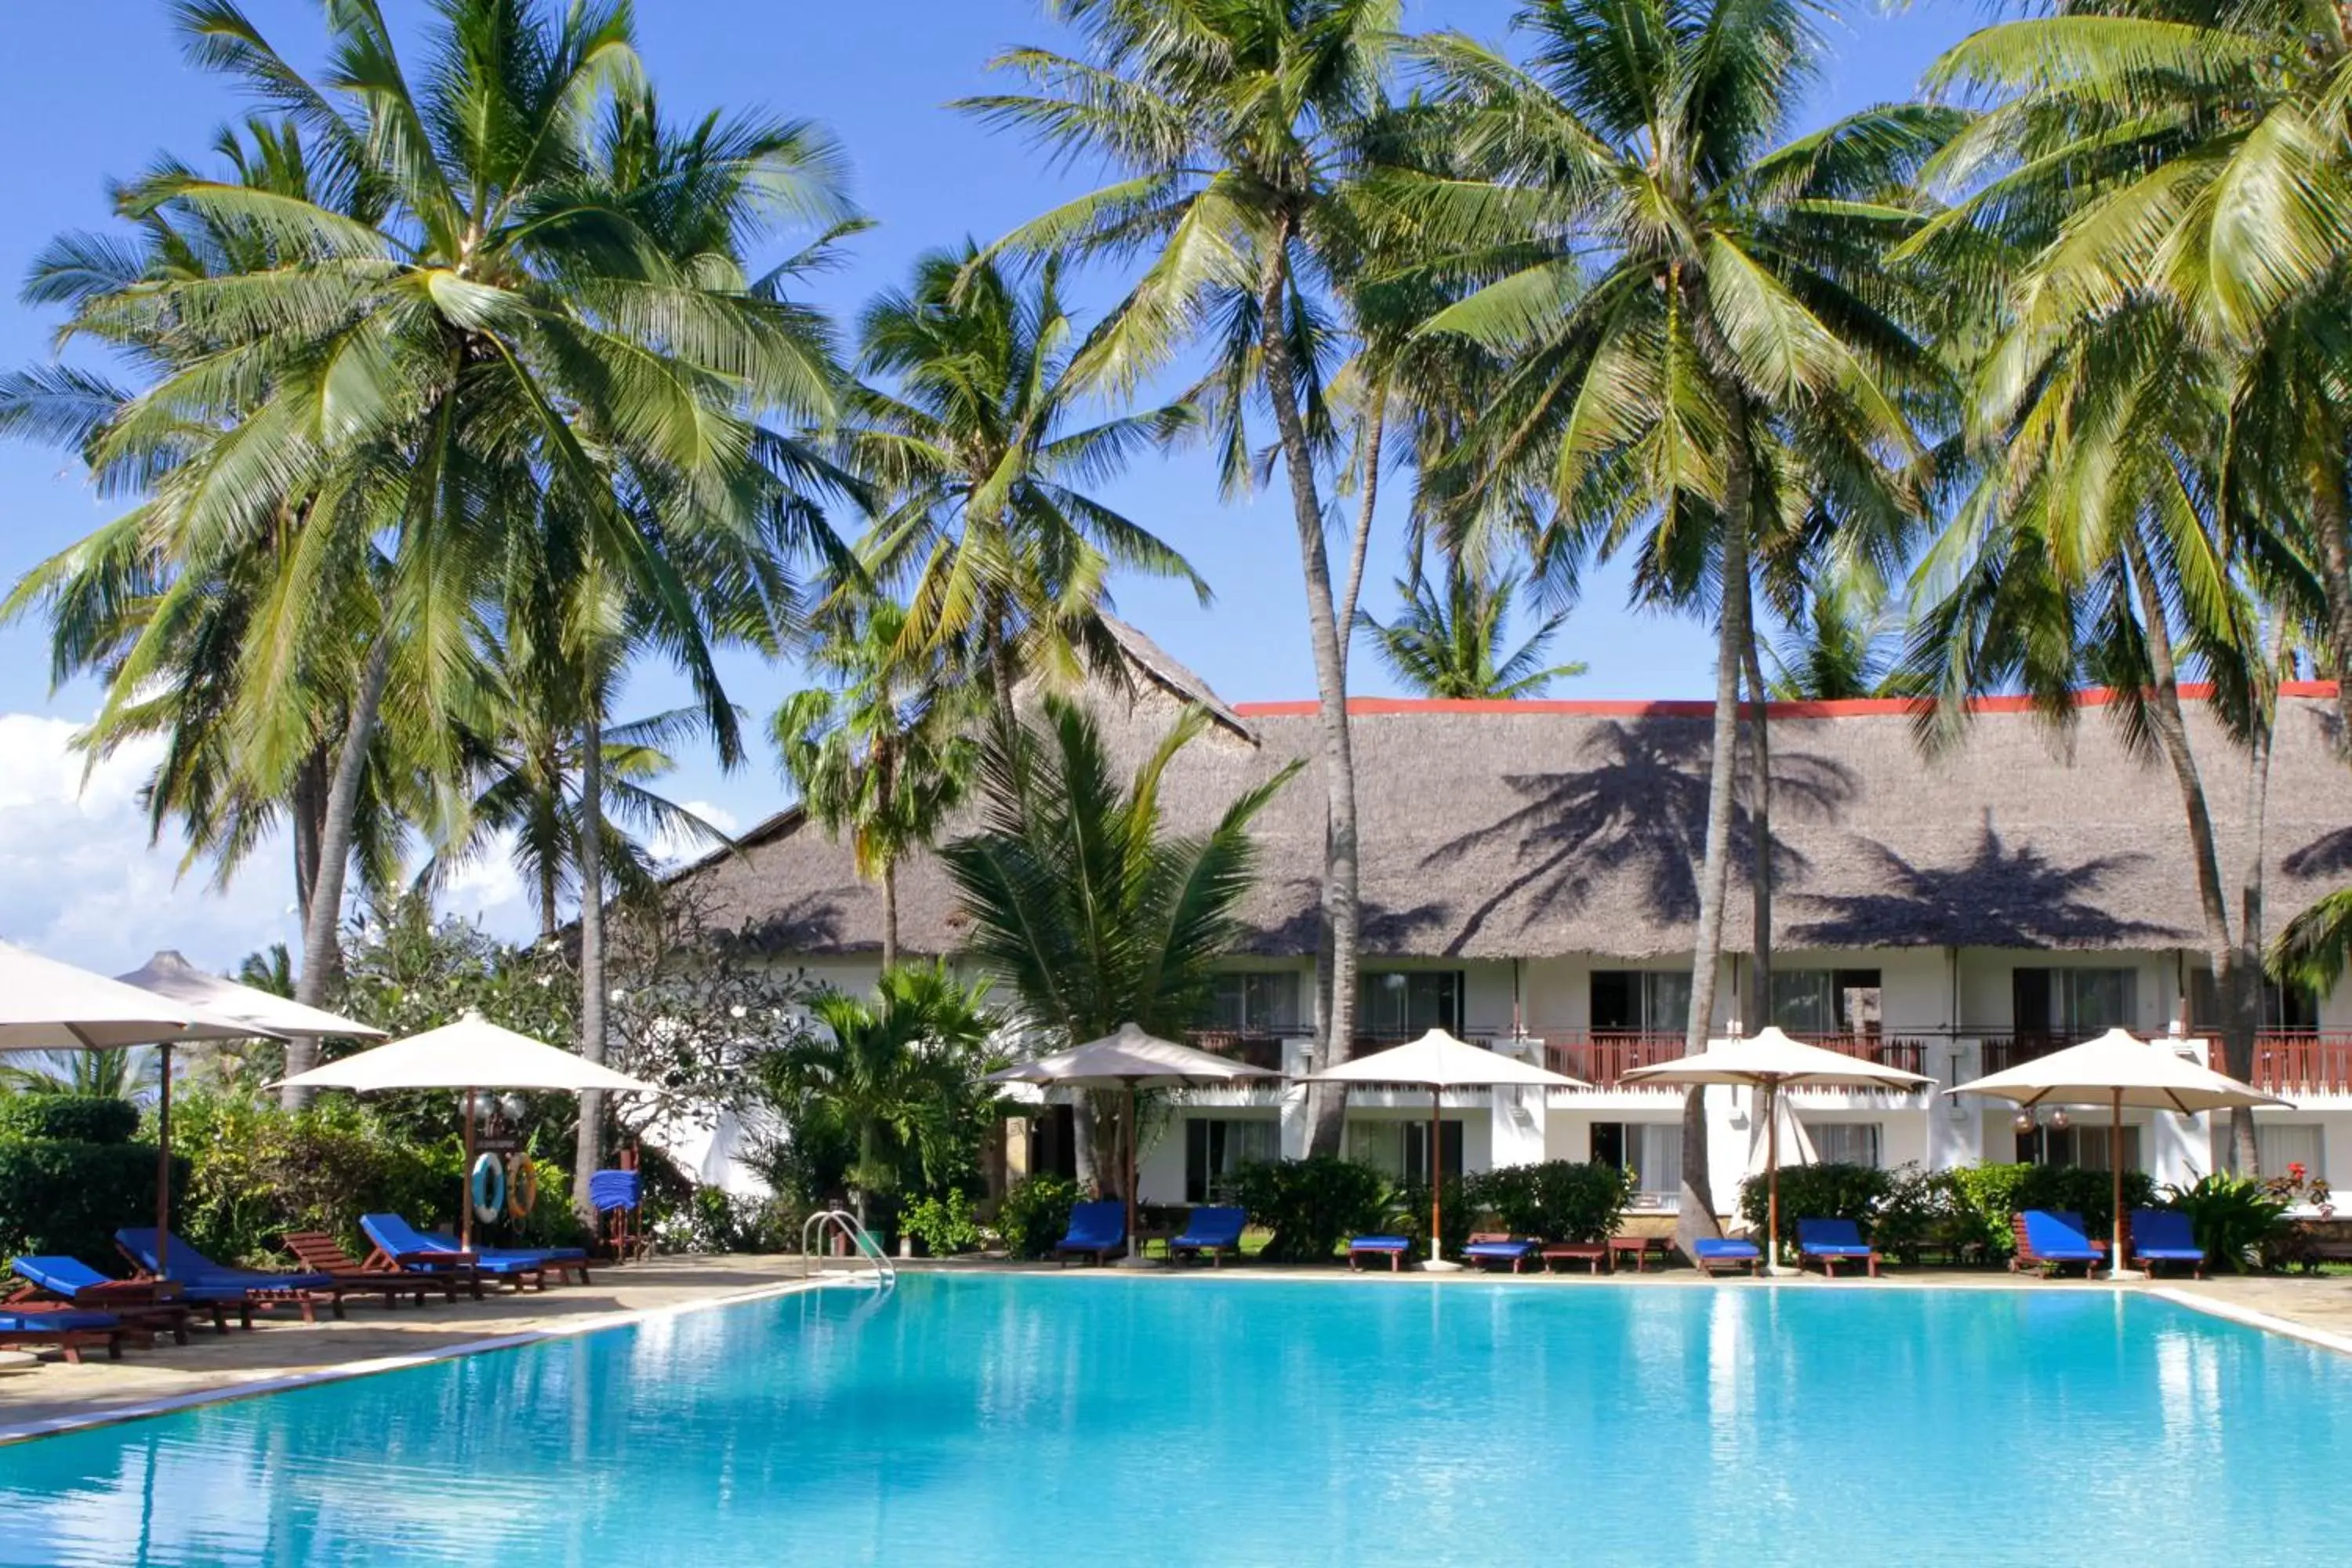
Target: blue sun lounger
x=71, y=1332
x=2165, y=1235
x=401, y=1245
x=2049, y=1239
x=1211, y=1231
x=1096, y=1230
x=1484, y=1249
x=206, y=1283
x=1725, y=1252
x=1830, y=1242
x=1392, y=1247
x=154, y=1304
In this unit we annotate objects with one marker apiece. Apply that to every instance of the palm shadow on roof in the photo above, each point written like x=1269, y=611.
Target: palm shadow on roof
x=811, y=922
x=1999, y=896
x=1639, y=810
x=2329, y=855
x=1380, y=929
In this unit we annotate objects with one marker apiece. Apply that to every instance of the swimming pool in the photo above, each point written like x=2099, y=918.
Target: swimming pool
x=1099, y=1418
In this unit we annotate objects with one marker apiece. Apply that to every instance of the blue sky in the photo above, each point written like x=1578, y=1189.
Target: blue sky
x=94, y=90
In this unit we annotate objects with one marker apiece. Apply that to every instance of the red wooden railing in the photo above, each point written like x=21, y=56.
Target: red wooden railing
x=2300, y=1062
x=1602, y=1057
x=1248, y=1047
x=2004, y=1052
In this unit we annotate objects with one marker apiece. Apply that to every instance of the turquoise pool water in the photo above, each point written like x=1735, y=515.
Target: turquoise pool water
x=1093, y=1419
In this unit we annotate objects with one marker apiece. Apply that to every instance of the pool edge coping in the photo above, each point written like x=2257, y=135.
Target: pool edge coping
x=2253, y=1318
x=146, y=1409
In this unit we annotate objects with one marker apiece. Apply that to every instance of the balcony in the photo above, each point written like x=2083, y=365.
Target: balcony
x=2004, y=1052
x=2299, y=1062
x=1603, y=1057
x=1253, y=1047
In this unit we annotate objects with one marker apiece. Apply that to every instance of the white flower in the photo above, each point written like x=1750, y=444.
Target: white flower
x=737, y=1011
x=545, y=981
x=619, y=995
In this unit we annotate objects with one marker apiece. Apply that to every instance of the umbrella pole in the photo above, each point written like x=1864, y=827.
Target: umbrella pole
x=466, y=1184
x=1436, y=1174
x=163, y=1161
x=2115, y=1169
x=1131, y=1251
x=1772, y=1180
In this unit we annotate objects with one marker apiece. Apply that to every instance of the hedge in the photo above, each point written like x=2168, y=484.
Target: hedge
x=68, y=1118
x=70, y=1198
x=1312, y=1206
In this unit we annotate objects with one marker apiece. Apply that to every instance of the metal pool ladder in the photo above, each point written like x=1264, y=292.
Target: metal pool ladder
x=842, y=1223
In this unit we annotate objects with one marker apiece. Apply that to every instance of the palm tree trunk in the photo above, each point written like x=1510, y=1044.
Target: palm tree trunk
x=1376, y=425
x=1334, y=979
x=1759, y=1007
x=322, y=926
x=589, y=1149
x=1696, y=1217
x=889, y=913
x=2236, y=965
x=2332, y=517
x=310, y=821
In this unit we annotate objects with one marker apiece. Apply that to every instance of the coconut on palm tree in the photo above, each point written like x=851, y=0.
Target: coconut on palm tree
x=885, y=752
x=1232, y=129
x=972, y=430
x=1704, y=342
x=1451, y=644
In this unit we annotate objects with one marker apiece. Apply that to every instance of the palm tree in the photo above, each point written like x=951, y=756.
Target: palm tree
x=973, y=443
x=125, y=1074
x=1452, y=646
x=1082, y=900
x=885, y=752
x=1705, y=343
x=1838, y=650
x=2315, y=948
x=898, y=1072
x=2194, y=155
x=1232, y=124
x=549, y=303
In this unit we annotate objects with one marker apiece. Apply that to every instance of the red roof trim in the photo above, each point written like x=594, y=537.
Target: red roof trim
x=1858, y=708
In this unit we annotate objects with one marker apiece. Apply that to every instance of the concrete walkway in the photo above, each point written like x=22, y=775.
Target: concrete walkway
x=371, y=1338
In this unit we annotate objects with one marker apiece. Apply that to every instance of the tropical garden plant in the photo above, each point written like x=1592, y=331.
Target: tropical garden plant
x=1449, y=642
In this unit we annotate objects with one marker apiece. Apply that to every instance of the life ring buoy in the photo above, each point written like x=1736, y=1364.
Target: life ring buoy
x=522, y=1186
x=489, y=1185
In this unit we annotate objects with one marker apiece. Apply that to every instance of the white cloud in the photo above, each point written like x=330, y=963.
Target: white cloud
x=79, y=881
x=673, y=846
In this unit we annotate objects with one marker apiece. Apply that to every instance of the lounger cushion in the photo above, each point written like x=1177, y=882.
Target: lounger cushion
x=1379, y=1244
x=1727, y=1247
x=2059, y=1236
x=58, y=1275
x=1831, y=1238
x=1095, y=1226
x=204, y=1278
x=1499, y=1249
x=56, y=1322
x=2165, y=1234
x=1218, y=1226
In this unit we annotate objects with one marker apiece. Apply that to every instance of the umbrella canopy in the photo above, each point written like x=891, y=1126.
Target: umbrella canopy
x=1783, y=1142
x=1770, y=1059
x=472, y=1053
x=2119, y=1069
x=1131, y=1059
x=169, y=974
x=2119, y=1064
x=1437, y=1062
x=46, y=1005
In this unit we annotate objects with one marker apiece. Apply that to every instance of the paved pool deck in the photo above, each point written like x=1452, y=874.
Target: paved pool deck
x=55, y=1396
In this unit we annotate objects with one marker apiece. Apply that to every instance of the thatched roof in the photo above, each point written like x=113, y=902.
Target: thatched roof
x=1532, y=829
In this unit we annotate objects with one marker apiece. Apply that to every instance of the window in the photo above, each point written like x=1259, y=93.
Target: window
x=1645, y=1001
x=1399, y=1150
x=1846, y=1142
x=1254, y=1003
x=1407, y=1004
x=2284, y=1007
x=2073, y=1001
x=1654, y=1150
x=1826, y=1001
x=1215, y=1147
x=2078, y=1145
x=2278, y=1144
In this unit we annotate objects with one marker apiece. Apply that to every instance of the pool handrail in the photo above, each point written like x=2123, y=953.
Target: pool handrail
x=842, y=1223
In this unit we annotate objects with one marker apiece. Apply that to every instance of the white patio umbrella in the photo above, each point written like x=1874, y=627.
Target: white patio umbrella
x=1770, y=1059
x=1437, y=1062
x=472, y=1054
x=169, y=974
x=46, y=1005
x=1131, y=1059
x=2120, y=1068
x=1785, y=1141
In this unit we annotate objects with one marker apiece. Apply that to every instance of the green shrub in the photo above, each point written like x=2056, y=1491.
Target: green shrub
x=945, y=1225
x=2238, y=1219
x=1407, y=1214
x=1559, y=1200
x=70, y=1198
x=711, y=1219
x=1830, y=1191
x=2088, y=1192
x=1931, y=1210
x=1988, y=1196
x=1312, y=1206
x=1035, y=1215
x=68, y=1118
